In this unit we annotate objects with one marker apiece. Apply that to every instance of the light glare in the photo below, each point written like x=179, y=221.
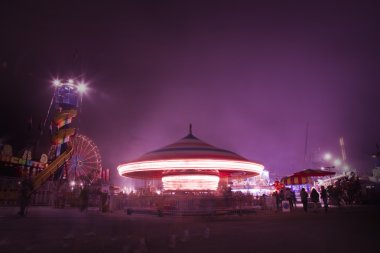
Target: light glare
x=327, y=156
x=82, y=88
x=337, y=162
x=56, y=82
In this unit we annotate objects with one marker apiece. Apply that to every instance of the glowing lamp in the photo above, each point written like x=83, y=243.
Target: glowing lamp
x=82, y=88
x=327, y=157
x=56, y=82
x=337, y=162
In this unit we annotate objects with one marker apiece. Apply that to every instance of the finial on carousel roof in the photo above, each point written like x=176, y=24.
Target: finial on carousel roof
x=190, y=129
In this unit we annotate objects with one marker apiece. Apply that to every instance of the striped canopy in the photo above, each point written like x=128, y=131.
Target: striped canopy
x=292, y=180
x=314, y=173
x=190, y=147
x=190, y=156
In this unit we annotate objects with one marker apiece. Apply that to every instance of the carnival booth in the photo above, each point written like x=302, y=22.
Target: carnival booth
x=304, y=179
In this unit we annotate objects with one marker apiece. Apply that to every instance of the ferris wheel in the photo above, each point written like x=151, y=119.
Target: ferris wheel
x=85, y=165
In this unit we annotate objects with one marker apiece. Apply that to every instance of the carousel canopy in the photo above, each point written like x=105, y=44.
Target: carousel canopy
x=190, y=147
x=190, y=155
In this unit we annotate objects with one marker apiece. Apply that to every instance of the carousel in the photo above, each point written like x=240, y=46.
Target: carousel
x=190, y=164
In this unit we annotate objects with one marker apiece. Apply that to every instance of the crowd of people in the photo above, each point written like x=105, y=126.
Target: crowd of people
x=344, y=191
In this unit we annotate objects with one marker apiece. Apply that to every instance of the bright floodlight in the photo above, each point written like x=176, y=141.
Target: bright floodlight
x=337, y=162
x=56, y=82
x=70, y=81
x=327, y=156
x=82, y=88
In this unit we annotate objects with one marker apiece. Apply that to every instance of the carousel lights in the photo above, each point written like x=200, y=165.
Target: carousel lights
x=181, y=164
x=190, y=182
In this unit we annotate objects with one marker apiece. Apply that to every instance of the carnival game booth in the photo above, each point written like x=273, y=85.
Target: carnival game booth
x=190, y=165
x=296, y=183
x=304, y=179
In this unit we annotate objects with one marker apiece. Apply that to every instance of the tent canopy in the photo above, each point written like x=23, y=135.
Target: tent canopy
x=292, y=180
x=313, y=173
x=303, y=176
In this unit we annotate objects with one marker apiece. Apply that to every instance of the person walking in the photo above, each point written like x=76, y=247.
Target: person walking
x=304, y=197
x=84, y=196
x=25, y=195
x=281, y=196
x=324, y=198
x=288, y=197
x=277, y=199
x=294, y=199
x=314, y=196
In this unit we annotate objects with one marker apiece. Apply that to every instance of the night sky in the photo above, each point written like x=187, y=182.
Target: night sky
x=249, y=76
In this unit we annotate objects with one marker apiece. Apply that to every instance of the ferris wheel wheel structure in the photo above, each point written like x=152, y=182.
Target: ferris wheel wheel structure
x=85, y=165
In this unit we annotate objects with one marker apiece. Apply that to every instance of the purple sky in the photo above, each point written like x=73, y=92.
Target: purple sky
x=247, y=76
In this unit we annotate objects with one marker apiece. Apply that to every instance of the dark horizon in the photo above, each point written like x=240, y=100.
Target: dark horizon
x=248, y=76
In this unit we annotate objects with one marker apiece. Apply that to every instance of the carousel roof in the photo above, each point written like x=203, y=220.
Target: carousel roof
x=190, y=147
x=190, y=154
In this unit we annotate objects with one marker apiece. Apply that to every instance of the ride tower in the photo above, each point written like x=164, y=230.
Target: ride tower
x=84, y=167
x=67, y=99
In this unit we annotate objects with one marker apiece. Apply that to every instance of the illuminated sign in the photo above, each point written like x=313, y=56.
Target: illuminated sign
x=20, y=161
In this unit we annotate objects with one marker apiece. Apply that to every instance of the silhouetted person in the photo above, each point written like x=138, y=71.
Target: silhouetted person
x=84, y=195
x=281, y=195
x=294, y=199
x=304, y=197
x=277, y=197
x=324, y=197
x=288, y=197
x=314, y=196
x=105, y=202
x=25, y=195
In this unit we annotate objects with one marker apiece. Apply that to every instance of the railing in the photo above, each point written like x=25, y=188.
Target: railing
x=52, y=168
x=9, y=191
x=191, y=205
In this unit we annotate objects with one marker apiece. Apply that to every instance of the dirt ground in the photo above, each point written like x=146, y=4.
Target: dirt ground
x=45, y=229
